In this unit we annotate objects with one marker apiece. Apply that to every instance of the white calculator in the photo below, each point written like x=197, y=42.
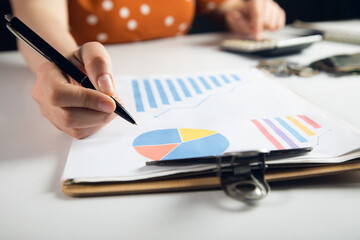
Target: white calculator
x=286, y=41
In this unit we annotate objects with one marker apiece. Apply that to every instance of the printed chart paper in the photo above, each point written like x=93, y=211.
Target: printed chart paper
x=205, y=114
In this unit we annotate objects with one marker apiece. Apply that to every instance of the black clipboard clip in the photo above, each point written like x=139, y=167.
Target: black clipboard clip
x=241, y=174
x=243, y=177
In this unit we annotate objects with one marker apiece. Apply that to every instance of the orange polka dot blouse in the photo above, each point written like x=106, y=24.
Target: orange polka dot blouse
x=118, y=21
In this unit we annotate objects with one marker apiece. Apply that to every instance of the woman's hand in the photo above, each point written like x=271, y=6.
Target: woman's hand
x=72, y=108
x=254, y=16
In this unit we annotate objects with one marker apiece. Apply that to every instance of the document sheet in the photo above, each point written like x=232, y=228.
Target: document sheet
x=206, y=114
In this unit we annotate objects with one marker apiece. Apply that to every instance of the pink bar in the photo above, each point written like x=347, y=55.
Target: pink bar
x=268, y=135
x=309, y=121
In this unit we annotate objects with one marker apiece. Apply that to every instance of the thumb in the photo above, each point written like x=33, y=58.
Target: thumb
x=97, y=64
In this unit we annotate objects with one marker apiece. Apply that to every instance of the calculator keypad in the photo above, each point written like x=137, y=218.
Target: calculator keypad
x=248, y=45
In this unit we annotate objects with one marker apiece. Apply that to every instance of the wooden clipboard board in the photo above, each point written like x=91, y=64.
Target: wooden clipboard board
x=201, y=182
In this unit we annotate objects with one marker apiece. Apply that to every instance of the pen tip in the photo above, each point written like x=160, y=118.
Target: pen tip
x=8, y=17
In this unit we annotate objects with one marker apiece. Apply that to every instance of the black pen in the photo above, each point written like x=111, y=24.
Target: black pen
x=34, y=41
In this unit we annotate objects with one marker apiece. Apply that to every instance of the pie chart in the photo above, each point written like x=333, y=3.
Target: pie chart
x=177, y=143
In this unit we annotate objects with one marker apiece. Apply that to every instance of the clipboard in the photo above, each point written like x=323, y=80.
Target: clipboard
x=205, y=181
x=107, y=173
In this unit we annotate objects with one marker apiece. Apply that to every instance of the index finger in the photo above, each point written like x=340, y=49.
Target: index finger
x=97, y=64
x=256, y=17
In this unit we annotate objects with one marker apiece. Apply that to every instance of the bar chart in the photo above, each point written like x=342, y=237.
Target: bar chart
x=162, y=94
x=289, y=132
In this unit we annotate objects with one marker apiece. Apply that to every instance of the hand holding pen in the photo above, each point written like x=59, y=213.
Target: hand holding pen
x=77, y=110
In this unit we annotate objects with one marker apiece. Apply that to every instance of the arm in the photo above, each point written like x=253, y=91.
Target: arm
x=49, y=19
x=71, y=108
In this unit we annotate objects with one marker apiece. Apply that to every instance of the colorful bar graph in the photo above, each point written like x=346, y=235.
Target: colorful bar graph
x=268, y=135
x=287, y=132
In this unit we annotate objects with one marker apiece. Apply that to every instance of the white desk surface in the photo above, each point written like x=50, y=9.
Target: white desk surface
x=33, y=155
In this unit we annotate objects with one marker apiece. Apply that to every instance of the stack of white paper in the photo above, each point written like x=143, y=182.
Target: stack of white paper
x=204, y=114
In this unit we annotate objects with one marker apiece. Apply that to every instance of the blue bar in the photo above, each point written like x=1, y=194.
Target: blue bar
x=150, y=94
x=291, y=130
x=173, y=90
x=184, y=88
x=226, y=80
x=235, y=77
x=215, y=81
x=195, y=86
x=203, y=81
x=162, y=93
x=137, y=96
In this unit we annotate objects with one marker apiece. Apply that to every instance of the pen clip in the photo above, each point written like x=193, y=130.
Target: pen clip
x=23, y=39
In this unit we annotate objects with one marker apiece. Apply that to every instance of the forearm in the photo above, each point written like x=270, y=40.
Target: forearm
x=49, y=19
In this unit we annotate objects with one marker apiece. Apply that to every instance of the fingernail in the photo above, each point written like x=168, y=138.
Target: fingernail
x=105, y=83
x=106, y=106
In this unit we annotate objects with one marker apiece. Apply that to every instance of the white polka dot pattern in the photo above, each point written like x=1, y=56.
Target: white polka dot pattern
x=124, y=12
x=92, y=19
x=131, y=20
x=169, y=20
x=145, y=9
x=102, y=37
x=182, y=27
x=132, y=24
x=107, y=5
